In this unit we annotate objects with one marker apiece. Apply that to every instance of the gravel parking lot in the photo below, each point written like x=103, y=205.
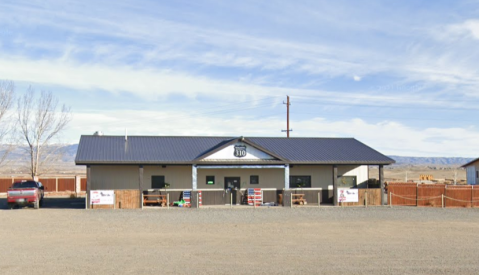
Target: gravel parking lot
x=376, y=240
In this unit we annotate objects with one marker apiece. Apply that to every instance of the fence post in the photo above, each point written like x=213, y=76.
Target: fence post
x=472, y=196
x=231, y=200
x=417, y=191
x=442, y=200
x=319, y=199
x=86, y=201
x=390, y=199
x=168, y=201
x=142, y=203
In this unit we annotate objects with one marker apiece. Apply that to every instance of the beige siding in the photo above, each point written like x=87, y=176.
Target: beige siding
x=114, y=177
x=321, y=175
x=179, y=177
x=361, y=172
x=268, y=178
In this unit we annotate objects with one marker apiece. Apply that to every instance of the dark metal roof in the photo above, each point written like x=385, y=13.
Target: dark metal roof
x=189, y=150
x=469, y=163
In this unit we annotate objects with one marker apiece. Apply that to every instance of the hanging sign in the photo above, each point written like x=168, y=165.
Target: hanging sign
x=348, y=195
x=102, y=196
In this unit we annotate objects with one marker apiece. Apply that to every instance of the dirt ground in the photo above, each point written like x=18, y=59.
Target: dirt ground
x=276, y=240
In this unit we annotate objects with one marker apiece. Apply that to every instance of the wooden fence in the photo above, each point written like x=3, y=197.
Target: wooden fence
x=51, y=184
x=124, y=199
x=370, y=196
x=433, y=195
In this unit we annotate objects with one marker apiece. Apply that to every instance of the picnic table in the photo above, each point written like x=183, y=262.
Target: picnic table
x=155, y=199
x=298, y=199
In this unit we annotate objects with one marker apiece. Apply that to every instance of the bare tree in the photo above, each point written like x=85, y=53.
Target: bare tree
x=6, y=98
x=39, y=122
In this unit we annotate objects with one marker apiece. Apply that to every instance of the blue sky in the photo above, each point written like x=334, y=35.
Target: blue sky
x=400, y=76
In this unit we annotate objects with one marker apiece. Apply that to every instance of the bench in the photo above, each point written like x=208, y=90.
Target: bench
x=298, y=199
x=155, y=199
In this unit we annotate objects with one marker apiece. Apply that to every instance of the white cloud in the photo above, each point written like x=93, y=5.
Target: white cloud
x=469, y=28
x=357, y=78
x=151, y=83
x=388, y=137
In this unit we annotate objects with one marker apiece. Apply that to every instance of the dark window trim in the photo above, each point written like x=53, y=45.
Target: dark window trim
x=164, y=182
x=210, y=176
x=292, y=185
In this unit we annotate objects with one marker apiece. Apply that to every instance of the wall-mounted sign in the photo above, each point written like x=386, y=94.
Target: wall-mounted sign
x=348, y=195
x=102, y=196
x=240, y=151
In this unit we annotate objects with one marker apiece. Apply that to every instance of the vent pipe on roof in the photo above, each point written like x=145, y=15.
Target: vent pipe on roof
x=126, y=134
x=98, y=133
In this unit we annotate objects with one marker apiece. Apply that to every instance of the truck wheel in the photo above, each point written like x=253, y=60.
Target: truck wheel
x=41, y=202
x=10, y=206
x=36, y=204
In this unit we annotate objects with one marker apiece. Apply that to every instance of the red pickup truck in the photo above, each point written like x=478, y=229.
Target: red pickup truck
x=25, y=193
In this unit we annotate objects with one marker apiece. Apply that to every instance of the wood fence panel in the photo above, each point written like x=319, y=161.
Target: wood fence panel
x=66, y=184
x=5, y=183
x=461, y=196
x=271, y=195
x=430, y=195
x=215, y=197
x=373, y=196
x=403, y=193
x=475, y=196
x=127, y=199
x=49, y=183
x=311, y=196
x=83, y=184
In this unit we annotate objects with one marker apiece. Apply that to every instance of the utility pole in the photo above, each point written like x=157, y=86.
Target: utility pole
x=287, y=117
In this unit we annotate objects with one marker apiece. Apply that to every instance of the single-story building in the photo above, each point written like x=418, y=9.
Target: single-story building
x=217, y=165
x=472, y=171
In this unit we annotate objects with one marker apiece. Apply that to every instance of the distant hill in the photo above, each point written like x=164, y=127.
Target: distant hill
x=456, y=161
x=69, y=153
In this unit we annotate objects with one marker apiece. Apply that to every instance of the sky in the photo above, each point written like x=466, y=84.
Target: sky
x=399, y=76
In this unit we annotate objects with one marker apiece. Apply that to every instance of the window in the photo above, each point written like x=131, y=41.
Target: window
x=346, y=181
x=253, y=179
x=210, y=180
x=25, y=184
x=157, y=182
x=300, y=181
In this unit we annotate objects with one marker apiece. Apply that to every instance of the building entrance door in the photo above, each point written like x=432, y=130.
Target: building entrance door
x=232, y=184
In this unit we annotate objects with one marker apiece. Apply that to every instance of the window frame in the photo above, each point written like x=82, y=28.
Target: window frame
x=210, y=176
x=299, y=176
x=251, y=179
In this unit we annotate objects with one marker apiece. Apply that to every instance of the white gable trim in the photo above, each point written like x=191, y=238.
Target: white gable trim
x=228, y=153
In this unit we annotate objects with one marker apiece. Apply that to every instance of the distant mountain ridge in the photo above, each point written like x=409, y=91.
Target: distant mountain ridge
x=69, y=153
x=401, y=160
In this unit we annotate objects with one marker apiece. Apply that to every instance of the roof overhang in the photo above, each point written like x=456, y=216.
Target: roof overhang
x=469, y=163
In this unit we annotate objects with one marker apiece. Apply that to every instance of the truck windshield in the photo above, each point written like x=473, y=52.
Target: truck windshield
x=25, y=184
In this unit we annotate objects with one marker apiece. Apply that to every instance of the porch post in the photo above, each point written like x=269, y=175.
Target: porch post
x=194, y=177
x=335, y=185
x=140, y=184
x=286, y=177
x=384, y=196
x=88, y=186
